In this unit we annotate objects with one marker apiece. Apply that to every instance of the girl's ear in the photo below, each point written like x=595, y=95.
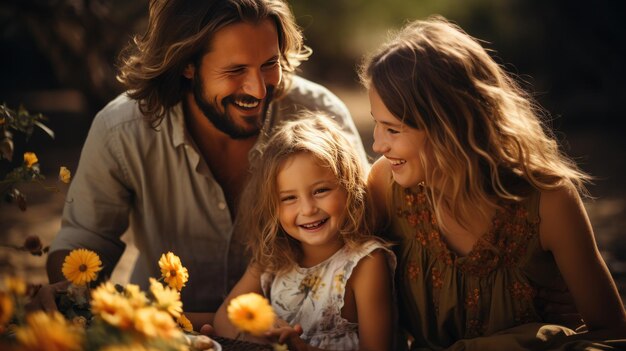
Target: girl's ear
x=189, y=71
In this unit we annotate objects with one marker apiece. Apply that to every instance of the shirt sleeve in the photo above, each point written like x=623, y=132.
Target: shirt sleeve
x=96, y=212
x=342, y=115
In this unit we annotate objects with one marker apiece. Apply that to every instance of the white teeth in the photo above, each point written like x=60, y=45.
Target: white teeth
x=397, y=162
x=247, y=104
x=313, y=225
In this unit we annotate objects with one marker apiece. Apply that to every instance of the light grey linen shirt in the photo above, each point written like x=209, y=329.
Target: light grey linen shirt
x=158, y=183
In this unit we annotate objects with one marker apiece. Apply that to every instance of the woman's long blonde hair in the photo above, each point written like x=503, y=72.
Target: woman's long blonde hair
x=180, y=32
x=485, y=135
x=317, y=135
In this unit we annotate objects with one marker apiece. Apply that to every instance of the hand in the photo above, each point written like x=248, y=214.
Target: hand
x=207, y=330
x=200, y=342
x=557, y=306
x=43, y=297
x=283, y=333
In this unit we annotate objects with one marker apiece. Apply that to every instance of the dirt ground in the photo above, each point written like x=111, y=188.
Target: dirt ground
x=598, y=151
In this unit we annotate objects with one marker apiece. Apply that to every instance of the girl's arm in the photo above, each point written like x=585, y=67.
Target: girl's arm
x=372, y=287
x=249, y=282
x=566, y=231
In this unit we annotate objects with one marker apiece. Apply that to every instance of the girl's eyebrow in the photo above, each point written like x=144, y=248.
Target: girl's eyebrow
x=317, y=183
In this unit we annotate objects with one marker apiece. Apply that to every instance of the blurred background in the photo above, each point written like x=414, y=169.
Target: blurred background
x=58, y=57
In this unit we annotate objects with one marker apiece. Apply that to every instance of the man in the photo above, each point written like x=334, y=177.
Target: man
x=169, y=158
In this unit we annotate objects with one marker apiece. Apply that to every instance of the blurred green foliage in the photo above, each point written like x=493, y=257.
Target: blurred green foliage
x=570, y=52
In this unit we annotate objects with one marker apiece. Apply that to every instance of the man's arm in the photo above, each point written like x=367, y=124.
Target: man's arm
x=98, y=201
x=54, y=265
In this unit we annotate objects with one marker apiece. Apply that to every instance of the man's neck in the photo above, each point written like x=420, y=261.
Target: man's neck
x=226, y=157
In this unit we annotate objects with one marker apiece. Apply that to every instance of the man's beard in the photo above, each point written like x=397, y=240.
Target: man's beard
x=223, y=121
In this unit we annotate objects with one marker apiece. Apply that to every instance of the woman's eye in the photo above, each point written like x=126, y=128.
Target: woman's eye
x=392, y=131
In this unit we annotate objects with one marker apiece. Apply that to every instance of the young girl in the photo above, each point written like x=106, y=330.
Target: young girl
x=484, y=206
x=313, y=255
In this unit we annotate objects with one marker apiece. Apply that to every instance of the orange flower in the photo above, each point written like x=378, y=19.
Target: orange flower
x=251, y=313
x=30, y=159
x=6, y=308
x=167, y=299
x=172, y=271
x=184, y=323
x=112, y=307
x=65, y=175
x=48, y=332
x=154, y=323
x=81, y=266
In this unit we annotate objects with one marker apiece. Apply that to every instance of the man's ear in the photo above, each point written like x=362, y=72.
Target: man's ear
x=189, y=71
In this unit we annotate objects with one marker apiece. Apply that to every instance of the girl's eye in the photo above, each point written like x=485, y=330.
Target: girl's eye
x=287, y=198
x=392, y=131
x=321, y=191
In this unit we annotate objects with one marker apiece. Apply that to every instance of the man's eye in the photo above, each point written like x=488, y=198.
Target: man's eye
x=270, y=64
x=235, y=71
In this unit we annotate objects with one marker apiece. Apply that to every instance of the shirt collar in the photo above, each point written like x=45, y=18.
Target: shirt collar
x=177, y=119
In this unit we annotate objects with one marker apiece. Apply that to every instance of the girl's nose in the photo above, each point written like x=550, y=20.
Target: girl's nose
x=309, y=207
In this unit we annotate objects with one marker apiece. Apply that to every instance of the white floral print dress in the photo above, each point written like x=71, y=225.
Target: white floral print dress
x=313, y=297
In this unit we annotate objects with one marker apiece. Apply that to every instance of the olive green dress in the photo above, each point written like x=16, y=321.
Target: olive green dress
x=484, y=299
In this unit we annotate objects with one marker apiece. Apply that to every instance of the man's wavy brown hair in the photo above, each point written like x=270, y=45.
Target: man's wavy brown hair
x=180, y=32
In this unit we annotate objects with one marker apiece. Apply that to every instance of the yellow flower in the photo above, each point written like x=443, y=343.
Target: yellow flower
x=134, y=346
x=81, y=266
x=15, y=285
x=172, y=271
x=48, y=332
x=135, y=296
x=184, y=323
x=112, y=307
x=154, y=323
x=167, y=299
x=65, y=175
x=30, y=159
x=6, y=308
x=251, y=313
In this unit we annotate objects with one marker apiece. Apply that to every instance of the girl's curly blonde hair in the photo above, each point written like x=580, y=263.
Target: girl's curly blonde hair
x=318, y=135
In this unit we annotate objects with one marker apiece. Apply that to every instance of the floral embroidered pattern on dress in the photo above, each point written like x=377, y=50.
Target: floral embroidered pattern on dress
x=503, y=246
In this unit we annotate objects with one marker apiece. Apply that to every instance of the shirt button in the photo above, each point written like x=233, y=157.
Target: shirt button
x=221, y=206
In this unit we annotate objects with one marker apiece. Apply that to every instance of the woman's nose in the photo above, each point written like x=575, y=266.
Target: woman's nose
x=380, y=145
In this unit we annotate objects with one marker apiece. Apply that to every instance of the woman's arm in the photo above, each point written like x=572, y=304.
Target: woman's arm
x=379, y=186
x=249, y=282
x=566, y=231
x=372, y=287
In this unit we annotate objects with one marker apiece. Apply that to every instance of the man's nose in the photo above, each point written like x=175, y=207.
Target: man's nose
x=254, y=85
